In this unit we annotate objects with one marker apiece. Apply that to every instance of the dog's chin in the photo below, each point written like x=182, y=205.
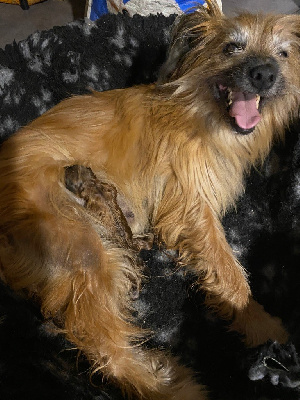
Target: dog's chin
x=240, y=109
x=237, y=129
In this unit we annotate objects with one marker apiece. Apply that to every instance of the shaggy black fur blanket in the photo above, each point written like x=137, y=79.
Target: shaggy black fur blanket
x=264, y=230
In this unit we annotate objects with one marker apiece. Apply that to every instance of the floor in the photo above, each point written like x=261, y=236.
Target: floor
x=17, y=24
x=278, y=6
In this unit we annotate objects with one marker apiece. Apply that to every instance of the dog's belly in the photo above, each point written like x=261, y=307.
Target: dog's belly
x=127, y=210
x=136, y=215
x=101, y=195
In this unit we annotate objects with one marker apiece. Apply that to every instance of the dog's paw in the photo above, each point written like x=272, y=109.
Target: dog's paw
x=258, y=327
x=277, y=364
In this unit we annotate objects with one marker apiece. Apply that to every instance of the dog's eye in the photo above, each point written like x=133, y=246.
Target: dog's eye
x=283, y=54
x=233, y=48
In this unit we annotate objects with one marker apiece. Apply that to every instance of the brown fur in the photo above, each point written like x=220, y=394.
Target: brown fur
x=177, y=166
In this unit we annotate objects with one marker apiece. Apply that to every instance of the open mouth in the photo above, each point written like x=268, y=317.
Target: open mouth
x=243, y=108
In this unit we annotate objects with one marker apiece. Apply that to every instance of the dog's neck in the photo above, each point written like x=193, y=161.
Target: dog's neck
x=208, y=160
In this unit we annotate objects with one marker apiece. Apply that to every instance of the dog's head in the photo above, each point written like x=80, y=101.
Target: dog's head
x=238, y=70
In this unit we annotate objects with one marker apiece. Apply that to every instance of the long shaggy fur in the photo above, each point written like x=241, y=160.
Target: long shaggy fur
x=174, y=164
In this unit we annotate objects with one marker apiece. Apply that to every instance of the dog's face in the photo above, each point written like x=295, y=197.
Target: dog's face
x=241, y=68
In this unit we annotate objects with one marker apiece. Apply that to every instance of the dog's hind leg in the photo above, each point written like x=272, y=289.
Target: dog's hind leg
x=149, y=374
x=51, y=248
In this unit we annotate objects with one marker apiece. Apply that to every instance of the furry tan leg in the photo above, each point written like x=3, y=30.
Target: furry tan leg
x=203, y=247
x=225, y=283
x=91, y=305
x=231, y=294
x=84, y=284
x=100, y=200
x=258, y=326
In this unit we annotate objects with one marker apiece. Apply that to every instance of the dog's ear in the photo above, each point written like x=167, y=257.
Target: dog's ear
x=185, y=34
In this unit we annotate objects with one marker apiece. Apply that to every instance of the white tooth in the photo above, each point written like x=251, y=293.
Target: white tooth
x=257, y=101
x=229, y=97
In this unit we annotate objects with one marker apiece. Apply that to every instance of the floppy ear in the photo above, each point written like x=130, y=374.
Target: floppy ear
x=185, y=34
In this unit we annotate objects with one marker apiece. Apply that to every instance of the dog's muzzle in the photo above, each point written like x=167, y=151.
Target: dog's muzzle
x=250, y=85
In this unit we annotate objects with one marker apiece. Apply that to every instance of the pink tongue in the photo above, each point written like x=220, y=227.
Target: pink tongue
x=243, y=109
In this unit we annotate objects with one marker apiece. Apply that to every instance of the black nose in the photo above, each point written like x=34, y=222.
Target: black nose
x=263, y=76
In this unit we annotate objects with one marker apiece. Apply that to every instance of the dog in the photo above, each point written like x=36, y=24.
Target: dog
x=89, y=183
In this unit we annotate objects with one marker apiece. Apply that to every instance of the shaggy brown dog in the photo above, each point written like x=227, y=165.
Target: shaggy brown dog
x=176, y=152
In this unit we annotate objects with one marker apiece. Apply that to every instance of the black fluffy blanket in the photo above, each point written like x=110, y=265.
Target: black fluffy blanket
x=118, y=51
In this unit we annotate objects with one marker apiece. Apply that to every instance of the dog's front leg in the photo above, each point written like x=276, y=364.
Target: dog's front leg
x=204, y=249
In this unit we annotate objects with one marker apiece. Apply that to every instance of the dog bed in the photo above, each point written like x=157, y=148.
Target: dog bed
x=119, y=51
